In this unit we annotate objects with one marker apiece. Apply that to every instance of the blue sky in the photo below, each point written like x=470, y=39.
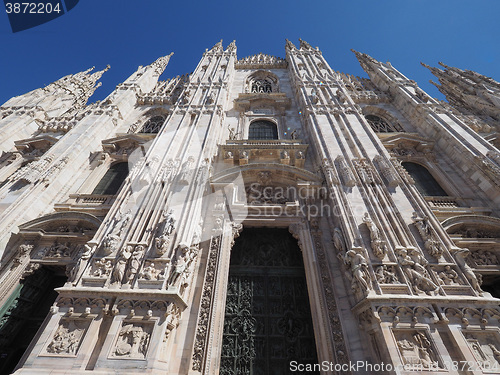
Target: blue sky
x=129, y=33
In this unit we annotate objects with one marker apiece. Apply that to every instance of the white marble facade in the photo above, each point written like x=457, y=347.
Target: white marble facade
x=400, y=271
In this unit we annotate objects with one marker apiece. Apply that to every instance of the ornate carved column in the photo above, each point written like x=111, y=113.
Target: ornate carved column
x=208, y=340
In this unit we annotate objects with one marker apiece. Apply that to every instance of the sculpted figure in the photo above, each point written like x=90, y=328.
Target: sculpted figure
x=133, y=342
x=110, y=243
x=232, y=134
x=161, y=244
x=149, y=272
x=413, y=267
x=359, y=269
x=134, y=262
x=66, y=338
x=422, y=224
x=448, y=276
x=180, y=267
x=338, y=241
x=168, y=222
x=122, y=223
x=460, y=255
x=121, y=264
x=102, y=267
x=377, y=243
x=385, y=275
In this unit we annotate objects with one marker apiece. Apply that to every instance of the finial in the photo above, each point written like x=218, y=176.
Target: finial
x=289, y=45
x=304, y=45
x=161, y=63
x=232, y=46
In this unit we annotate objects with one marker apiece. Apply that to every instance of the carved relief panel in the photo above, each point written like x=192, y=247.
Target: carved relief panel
x=132, y=341
x=417, y=350
x=68, y=337
x=485, y=347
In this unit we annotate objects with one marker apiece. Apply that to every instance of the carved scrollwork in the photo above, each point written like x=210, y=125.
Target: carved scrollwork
x=206, y=298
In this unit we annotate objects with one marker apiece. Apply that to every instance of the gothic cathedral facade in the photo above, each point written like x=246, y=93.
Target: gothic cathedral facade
x=257, y=216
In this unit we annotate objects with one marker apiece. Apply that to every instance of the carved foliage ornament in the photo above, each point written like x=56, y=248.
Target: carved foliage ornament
x=206, y=298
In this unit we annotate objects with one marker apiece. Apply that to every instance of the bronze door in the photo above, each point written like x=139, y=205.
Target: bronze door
x=267, y=318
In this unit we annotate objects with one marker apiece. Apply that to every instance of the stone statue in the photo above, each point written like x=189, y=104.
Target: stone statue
x=433, y=247
x=149, y=272
x=122, y=224
x=161, y=245
x=377, y=243
x=232, y=134
x=448, y=276
x=413, y=267
x=180, y=267
x=359, y=269
x=460, y=255
x=134, y=263
x=102, y=267
x=338, y=241
x=168, y=222
x=110, y=243
x=58, y=250
x=422, y=224
x=416, y=349
x=121, y=264
x=386, y=275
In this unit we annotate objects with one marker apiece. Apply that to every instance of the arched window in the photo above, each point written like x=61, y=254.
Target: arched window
x=425, y=183
x=112, y=180
x=262, y=129
x=153, y=125
x=262, y=82
x=262, y=86
x=379, y=125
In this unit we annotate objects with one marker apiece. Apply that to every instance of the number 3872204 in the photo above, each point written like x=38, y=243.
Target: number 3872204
x=32, y=8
